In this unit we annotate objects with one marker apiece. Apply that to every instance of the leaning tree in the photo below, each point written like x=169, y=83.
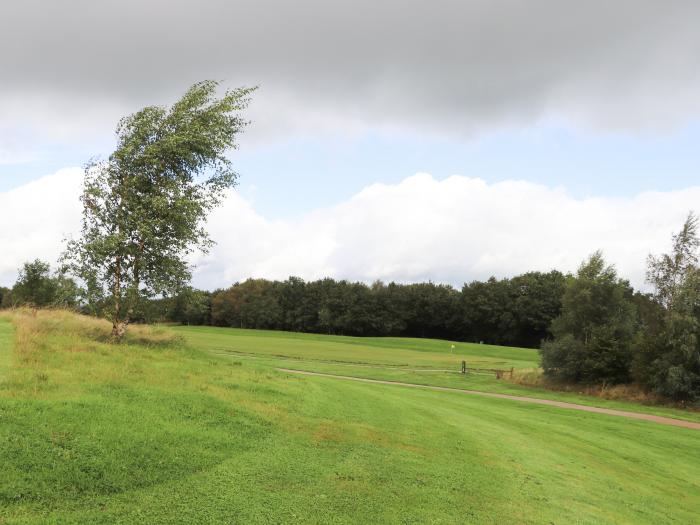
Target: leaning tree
x=145, y=207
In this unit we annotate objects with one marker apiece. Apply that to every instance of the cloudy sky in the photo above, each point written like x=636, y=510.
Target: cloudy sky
x=411, y=140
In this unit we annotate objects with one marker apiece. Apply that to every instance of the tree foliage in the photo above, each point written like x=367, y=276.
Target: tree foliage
x=4, y=297
x=593, y=336
x=518, y=309
x=669, y=357
x=37, y=286
x=414, y=310
x=144, y=208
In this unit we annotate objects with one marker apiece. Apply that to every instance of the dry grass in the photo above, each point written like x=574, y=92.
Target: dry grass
x=33, y=324
x=59, y=347
x=534, y=377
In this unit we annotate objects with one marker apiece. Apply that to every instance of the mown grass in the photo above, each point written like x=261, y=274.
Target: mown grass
x=396, y=351
x=158, y=431
x=399, y=359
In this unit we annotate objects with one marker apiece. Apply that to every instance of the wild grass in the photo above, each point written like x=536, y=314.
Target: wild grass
x=633, y=393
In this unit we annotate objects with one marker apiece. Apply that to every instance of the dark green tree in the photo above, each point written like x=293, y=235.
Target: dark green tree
x=34, y=285
x=191, y=307
x=536, y=302
x=4, y=297
x=594, y=335
x=144, y=208
x=37, y=286
x=251, y=304
x=488, y=312
x=429, y=310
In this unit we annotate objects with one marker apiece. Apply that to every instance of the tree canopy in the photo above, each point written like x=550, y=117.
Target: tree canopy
x=594, y=334
x=669, y=357
x=144, y=208
x=37, y=286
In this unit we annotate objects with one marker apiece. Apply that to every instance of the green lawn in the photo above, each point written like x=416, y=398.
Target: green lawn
x=154, y=431
x=393, y=359
x=396, y=351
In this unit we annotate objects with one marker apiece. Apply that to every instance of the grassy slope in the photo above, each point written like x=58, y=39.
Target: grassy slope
x=371, y=350
x=394, y=359
x=169, y=434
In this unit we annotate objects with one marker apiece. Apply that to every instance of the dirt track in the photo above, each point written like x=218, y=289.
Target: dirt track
x=559, y=404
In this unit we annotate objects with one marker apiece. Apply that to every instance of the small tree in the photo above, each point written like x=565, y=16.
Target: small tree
x=37, y=286
x=34, y=285
x=144, y=208
x=594, y=334
x=669, y=273
x=669, y=360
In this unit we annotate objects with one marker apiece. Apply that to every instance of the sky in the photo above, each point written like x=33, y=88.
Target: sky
x=414, y=140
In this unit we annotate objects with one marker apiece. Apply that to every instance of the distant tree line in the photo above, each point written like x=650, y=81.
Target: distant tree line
x=591, y=327
x=515, y=311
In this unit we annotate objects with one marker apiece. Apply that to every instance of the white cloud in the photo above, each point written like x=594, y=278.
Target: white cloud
x=453, y=230
x=35, y=218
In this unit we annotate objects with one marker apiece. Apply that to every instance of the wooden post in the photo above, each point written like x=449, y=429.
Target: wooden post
x=511, y=372
x=464, y=367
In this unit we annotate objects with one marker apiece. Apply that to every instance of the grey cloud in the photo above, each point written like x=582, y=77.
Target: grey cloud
x=447, y=66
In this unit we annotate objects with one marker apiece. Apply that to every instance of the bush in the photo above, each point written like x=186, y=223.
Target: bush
x=593, y=336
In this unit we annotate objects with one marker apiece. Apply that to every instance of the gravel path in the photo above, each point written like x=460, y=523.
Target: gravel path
x=549, y=402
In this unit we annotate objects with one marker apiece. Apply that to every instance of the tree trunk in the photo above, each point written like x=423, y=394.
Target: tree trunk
x=118, y=324
x=118, y=329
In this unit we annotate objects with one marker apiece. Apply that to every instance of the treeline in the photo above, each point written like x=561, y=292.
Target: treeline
x=591, y=327
x=515, y=311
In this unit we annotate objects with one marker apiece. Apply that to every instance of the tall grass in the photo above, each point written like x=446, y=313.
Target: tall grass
x=78, y=331
x=53, y=347
x=534, y=377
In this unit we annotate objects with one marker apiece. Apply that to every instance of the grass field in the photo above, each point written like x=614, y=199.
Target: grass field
x=421, y=361
x=167, y=430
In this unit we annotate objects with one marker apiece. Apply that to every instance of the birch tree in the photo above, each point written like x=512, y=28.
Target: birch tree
x=145, y=207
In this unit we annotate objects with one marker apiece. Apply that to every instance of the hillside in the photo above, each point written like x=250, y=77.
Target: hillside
x=197, y=425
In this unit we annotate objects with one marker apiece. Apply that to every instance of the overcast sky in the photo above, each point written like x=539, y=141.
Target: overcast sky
x=398, y=140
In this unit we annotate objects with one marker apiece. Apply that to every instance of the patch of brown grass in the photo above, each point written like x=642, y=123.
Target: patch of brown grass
x=534, y=377
x=328, y=431
x=32, y=324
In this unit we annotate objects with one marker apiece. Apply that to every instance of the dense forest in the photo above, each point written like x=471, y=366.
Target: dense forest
x=515, y=311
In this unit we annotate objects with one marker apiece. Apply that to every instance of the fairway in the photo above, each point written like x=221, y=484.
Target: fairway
x=419, y=361
x=164, y=431
x=388, y=351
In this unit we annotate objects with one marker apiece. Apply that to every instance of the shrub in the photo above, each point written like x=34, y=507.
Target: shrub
x=593, y=335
